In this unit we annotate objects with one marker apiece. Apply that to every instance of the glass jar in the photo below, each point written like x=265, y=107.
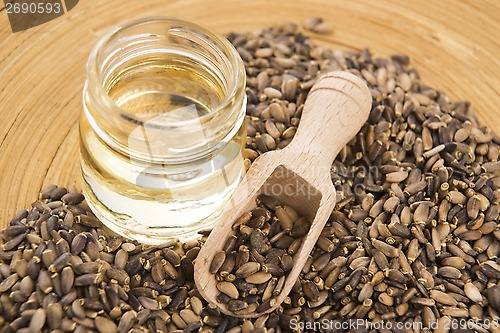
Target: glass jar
x=162, y=128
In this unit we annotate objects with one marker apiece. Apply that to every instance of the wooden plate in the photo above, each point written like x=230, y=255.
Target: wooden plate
x=454, y=44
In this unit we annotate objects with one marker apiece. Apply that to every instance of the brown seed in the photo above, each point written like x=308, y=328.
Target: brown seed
x=228, y=289
x=385, y=248
x=37, y=320
x=454, y=261
x=473, y=292
x=285, y=220
x=120, y=275
x=259, y=242
x=491, y=167
x=105, y=325
x=354, y=279
x=286, y=263
x=456, y=197
x=311, y=22
x=88, y=279
x=321, y=262
x=78, y=244
x=442, y=298
x=54, y=315
x=8, y=283
x=217, y=261
x=60, y=262
x=300, y=228
x=268, y=291
x=273, y=269
x=48, y=257
x=414, y=187
x=72, y=198
x=285, y=63
x=366, y=292
x=256, y=256
x=311, y=291
x=189, y=316
x=170, y=270
x=15, y=241
x=77, y=308
x=423, y=301
x=322, y=28
x=258, y=278
x=240, y=221
x=359, y=262
x=385, y=299
x=473, y=207
x=88, y=221
x=236, y=305
x=67, y=279
x=449, y=272
x=127, y=321
x=325, y=244
x=247, y=269
x=456, y=312
x=149, y=303
x=272, y=93
x=251, y=308
x=228, y=265
x=396, y=276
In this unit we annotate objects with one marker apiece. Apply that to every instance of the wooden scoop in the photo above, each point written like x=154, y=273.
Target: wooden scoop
x=298, y=175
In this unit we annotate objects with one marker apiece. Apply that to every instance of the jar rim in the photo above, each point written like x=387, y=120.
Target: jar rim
x=237, y=72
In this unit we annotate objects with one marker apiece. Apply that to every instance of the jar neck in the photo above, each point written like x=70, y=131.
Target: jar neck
x=164, y=90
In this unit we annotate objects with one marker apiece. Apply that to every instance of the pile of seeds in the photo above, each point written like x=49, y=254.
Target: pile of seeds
x=415, y=230
x=251, y=268
x=415, y=235
x=61, y=273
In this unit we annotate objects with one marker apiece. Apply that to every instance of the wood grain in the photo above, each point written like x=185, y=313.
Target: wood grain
x=455, y=45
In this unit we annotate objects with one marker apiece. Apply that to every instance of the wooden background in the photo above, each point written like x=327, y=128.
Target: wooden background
x=455, y=44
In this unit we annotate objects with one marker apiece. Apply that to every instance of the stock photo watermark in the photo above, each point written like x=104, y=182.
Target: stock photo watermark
x=26, y=14
x=336, y=325
x=289, y=184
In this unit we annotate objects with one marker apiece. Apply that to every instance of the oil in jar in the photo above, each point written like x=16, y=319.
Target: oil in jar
x=177, y=157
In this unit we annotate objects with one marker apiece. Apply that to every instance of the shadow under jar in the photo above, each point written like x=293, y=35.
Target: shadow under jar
x=162, y=128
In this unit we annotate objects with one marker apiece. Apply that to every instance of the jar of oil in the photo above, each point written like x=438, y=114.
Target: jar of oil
x=162, y=128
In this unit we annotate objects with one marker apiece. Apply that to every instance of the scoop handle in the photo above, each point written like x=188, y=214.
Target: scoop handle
x=336, y=108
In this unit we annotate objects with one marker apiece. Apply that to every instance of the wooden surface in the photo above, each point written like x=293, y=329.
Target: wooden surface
x=336, y=108
x=455, y=45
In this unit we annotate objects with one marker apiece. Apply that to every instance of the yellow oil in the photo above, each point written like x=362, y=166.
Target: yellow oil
x=156, y=87
x=148, y=199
